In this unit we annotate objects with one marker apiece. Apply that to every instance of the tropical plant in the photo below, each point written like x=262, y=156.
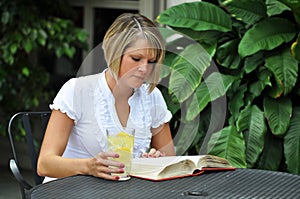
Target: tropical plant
x=29, y=28
x=252, y=60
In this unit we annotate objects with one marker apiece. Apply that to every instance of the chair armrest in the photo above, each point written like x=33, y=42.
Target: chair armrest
x=17, y=174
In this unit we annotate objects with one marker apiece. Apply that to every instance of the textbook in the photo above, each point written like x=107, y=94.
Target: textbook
x=171, y=167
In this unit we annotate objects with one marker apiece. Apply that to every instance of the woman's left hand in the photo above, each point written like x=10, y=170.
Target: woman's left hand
x=153, y=153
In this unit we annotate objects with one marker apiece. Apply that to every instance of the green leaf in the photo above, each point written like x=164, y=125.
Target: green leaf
x=35, y=102
x=247, y=11
x=213, y=87
x=266, y=35
x=196, y=16
x=276, y=89
x=228, y=143
x=5, y=17
x=236, y=102
x=207, y=36
x=272, y=153
x=185, y=137
x=13, y=48
x=227, y=54
x=252, y=62
x=275, y=7
x=295, y=48
x=294, y=5
x=69, y=51
x=59, y=51
x=278, y=113
x=82, y=35
x=172, y=106
x=285, y=69
x=252, y=122
x=187, y=72
x=264, y=79
x=292, y=143
x=25, y=71
x=210, y=48
x=42, y=37
x=42, y=41
x=27, y=45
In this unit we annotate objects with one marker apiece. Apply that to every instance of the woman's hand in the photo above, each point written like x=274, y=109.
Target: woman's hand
x=102, y=167
x=153, y=153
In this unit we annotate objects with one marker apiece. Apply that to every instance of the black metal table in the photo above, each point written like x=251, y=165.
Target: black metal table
x=238, y=184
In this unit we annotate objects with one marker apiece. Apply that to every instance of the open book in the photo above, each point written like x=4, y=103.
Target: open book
x=170, y=167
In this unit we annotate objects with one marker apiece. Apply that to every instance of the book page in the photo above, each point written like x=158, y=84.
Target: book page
x=170, y=167
x=181, y=168
x=213, y=162
x=162, y=167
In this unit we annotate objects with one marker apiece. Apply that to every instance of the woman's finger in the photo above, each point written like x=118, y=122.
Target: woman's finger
x=153, y=153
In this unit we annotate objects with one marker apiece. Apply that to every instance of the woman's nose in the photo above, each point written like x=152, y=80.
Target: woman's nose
x=143, y=67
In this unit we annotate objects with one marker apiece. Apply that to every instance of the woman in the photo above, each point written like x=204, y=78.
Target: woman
x=124, y=95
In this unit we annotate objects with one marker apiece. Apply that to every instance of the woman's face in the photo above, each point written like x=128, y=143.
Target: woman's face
x=137, y=64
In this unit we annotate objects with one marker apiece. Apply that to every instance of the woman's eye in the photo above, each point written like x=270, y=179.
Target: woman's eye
x=152, y=62
x=136, y=59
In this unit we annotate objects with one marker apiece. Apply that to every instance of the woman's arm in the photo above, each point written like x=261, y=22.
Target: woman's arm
x=52, y=164
x=161, y=142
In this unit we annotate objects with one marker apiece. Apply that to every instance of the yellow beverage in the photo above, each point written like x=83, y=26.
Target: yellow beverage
x=122, y=143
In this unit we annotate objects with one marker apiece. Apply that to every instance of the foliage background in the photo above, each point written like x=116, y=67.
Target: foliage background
x=30, y=29
x=255, y=47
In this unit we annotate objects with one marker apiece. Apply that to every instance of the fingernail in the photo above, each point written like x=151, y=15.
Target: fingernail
x=122, y=170
x=117, y=177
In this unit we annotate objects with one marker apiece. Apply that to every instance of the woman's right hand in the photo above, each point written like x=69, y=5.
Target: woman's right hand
x=102, y=166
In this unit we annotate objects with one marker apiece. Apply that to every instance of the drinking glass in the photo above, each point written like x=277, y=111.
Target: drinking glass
x=122, y=143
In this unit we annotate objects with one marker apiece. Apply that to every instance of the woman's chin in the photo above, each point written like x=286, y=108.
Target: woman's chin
x=137, y=85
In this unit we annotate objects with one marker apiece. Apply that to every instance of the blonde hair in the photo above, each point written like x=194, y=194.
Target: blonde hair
x=125, y=30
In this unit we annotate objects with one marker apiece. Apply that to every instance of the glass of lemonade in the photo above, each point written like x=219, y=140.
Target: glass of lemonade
x=122, y=143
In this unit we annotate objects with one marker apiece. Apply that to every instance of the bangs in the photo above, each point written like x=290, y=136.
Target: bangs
x=156, y=46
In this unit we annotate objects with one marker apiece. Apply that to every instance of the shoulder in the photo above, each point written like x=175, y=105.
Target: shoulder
x=86, y=80
x=80, y=83
x=155, y=95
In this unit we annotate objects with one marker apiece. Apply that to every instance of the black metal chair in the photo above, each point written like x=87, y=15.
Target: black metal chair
x=26, y=128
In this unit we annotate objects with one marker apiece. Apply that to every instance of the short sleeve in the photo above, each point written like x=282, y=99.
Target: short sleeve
x=64, y=100
x=159, y=111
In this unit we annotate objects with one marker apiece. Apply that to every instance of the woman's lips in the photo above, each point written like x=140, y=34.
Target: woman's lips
x=138, y=77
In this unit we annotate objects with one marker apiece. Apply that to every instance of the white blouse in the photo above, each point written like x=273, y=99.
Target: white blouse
x=90, y=103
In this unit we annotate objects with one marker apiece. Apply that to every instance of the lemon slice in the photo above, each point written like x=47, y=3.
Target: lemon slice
x=123, y=134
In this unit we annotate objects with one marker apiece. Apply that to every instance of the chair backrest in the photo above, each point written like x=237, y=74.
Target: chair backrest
x=27, y=129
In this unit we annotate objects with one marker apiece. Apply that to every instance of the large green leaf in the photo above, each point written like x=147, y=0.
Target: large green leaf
x=252, y=122
x=275, y=7
x=247, y=11
x=228, y=143
x=197, y=16
x=214, y=86
x=207, y=36
x=188, y=68
x=272, y=153
x=278, y=113
x=292, y=143
x=227, y=54
x=185, y=137
x=266, y=35
x=285, y=69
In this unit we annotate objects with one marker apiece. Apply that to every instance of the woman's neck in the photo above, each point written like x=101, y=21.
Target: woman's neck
x=119, y=91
